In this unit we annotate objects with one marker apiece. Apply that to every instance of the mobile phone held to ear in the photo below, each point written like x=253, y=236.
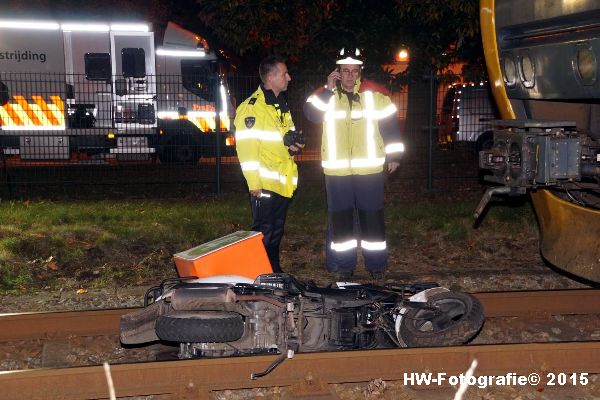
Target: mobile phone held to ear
x=338, y=82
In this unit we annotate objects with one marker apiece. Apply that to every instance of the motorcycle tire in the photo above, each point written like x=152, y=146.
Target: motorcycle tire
x=200, y=327
x=454, y=320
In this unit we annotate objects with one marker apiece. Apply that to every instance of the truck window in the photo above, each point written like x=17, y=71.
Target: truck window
x=200, y=78
x=97, y=66
x=133, y=63
x=4, y=94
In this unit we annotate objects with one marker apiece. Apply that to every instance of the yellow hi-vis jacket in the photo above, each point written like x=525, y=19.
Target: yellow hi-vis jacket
x=260, y=126
x=357, y=137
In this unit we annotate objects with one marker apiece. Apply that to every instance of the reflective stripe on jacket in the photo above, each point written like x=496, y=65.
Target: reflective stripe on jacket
x=264, y=158
x=359, y=133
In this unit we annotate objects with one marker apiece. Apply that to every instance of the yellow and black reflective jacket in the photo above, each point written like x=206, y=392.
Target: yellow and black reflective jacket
x=360, y=129
x=261, y=121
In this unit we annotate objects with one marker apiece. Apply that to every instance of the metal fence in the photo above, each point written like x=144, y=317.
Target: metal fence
x=65, y=132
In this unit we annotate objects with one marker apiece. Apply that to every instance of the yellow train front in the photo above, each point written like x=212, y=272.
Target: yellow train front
x=542, y=60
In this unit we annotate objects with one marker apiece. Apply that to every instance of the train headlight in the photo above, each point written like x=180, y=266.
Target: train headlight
x=585, y=64
x=509, y=70
x=527, y=70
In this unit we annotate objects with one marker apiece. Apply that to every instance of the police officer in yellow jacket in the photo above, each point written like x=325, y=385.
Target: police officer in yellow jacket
x=360, y=134
x=266, y=143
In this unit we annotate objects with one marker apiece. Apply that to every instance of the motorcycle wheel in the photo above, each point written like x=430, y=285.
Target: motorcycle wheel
x=200, y=327
x=452, y=319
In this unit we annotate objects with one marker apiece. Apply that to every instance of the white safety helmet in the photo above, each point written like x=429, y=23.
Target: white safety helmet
x=350, y=57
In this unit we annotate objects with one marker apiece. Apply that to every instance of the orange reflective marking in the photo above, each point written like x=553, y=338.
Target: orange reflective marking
x=13, y=115
x=25, y=106
x=61, y=107
x=202, y=107
x=23, y=114
x=46, y=110
x=4, y=118
x=58, y=101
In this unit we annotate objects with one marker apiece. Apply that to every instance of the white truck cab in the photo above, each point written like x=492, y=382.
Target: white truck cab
x=101, y=90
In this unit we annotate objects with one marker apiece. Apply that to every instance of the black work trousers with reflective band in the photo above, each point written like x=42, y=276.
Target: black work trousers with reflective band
x=268, y=216
x=355, y=218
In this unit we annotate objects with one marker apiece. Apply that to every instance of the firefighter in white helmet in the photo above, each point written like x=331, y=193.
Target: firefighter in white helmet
x=361, y=135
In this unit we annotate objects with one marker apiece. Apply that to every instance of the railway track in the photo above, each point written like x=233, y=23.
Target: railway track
x=307, y=375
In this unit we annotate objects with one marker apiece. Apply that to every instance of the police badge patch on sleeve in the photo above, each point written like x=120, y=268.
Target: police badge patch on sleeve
x=250, y=122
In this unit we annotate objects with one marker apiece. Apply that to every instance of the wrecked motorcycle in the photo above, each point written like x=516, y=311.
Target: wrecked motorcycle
x=278, y=314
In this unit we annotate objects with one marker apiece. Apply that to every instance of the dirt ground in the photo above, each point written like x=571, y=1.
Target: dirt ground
x=506, y=265
x=485, y=260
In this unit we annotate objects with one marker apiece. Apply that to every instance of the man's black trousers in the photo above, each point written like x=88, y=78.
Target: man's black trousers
x=355, y=219
x=268, y=216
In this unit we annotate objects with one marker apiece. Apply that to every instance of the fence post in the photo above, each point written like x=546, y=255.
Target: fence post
x=431, y=121
x=6, y=175
x=218, y=107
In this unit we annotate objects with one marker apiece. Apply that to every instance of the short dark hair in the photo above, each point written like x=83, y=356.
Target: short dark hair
x=268, y=65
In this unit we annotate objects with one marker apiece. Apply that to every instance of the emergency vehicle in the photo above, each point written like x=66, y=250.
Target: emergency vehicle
x=95, y=92
x=467, y=113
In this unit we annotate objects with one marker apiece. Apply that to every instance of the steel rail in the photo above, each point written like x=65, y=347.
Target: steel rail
x=542, y=302
x=306, y=374
x=38, y=325
x=58, y=325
